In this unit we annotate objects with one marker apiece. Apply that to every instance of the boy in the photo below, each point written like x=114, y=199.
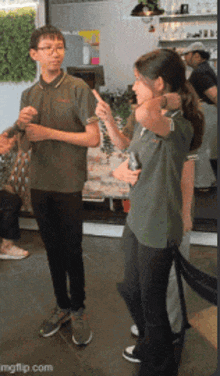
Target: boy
x=56, y=117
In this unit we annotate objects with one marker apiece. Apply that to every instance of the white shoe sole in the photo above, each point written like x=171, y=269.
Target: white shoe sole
x=127, y=357
x=10, y=257
x=56, y=329
x=84, y=343
x=134, y=331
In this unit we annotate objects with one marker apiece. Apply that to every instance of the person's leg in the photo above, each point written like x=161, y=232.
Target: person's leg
x=10, y=208
x=69, y=216
x=155, y=348
x=173, y=301
x=10, y=205
x=129, y=289
x=48, y=223
x=147, y=301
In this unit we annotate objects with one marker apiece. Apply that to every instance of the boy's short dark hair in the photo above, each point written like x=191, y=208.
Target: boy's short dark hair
x=45, y=31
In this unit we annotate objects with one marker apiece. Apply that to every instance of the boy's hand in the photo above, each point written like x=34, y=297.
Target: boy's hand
x=26, y=114
x=125, y=174
x=174, y=101
x=36, y=132
x=6, y=144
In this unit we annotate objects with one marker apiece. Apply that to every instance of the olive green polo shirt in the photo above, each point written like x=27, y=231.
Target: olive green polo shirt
x=65, y=104
x=155, y=215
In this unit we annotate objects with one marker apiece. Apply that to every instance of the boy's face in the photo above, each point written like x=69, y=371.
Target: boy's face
x=50, y=54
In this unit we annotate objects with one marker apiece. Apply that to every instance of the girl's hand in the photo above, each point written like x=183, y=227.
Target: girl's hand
x=174, y=101
x=103, y=110
x=125, y=174
x=36, y=132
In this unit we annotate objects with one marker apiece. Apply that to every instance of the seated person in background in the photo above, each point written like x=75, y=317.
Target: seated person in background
x=10, y=204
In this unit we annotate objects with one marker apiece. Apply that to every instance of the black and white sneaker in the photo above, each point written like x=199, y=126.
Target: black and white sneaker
x=135, y=333
x=128, y=355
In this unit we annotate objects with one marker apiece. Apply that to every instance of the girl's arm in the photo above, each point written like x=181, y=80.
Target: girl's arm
x=103, y=111
x=150, y=114
x=187, y=187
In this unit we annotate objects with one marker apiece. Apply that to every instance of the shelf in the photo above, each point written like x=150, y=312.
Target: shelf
x=186, y=40
x=180, y=16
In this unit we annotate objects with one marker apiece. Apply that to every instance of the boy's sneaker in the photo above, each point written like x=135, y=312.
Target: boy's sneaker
x=128, y=355
x=81, y=332
x=135, y=333
x=59, y=316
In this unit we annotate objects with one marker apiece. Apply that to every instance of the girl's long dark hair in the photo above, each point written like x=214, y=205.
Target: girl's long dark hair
x=168, y=64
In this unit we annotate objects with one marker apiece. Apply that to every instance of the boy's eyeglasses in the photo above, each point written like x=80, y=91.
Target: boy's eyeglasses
x=49, y=50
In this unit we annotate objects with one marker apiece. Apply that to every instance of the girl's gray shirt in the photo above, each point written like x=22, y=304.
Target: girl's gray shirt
x=155, y=215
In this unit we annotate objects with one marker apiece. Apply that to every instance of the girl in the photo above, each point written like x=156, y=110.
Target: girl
x=161, y=141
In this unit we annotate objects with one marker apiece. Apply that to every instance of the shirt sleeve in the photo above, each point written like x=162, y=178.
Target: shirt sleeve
x=85, y=104
x=180, y=138
x=202, y=82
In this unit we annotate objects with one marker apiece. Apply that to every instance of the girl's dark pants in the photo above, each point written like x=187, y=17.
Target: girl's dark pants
x=59, y=217
x=144, y=291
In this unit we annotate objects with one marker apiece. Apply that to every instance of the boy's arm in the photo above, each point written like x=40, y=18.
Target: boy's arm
x=187, y=187
x=89, y=138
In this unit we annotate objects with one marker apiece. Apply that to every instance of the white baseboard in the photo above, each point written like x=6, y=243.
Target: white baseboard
x=115, y=231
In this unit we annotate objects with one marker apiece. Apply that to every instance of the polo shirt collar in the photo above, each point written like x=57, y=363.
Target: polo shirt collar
x=53, y=84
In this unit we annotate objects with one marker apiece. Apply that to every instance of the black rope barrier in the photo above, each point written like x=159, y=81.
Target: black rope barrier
x=202, y=283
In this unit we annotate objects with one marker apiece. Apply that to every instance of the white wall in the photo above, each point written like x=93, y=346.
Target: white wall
x=122, y=41
x=10, y=94
x=122, y=38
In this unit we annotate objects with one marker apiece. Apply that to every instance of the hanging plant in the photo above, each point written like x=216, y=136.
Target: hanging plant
x=120, y=103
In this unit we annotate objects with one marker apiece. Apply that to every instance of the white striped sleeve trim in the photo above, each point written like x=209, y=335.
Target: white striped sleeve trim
x=193, y=157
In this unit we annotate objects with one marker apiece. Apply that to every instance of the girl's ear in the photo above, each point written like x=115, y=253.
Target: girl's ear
x=33, y=54
x=159, y=85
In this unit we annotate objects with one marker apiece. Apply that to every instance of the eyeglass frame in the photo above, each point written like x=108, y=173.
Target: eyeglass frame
x=52, y=49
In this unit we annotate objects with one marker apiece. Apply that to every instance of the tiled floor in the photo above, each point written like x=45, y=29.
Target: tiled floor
x=27, y=298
